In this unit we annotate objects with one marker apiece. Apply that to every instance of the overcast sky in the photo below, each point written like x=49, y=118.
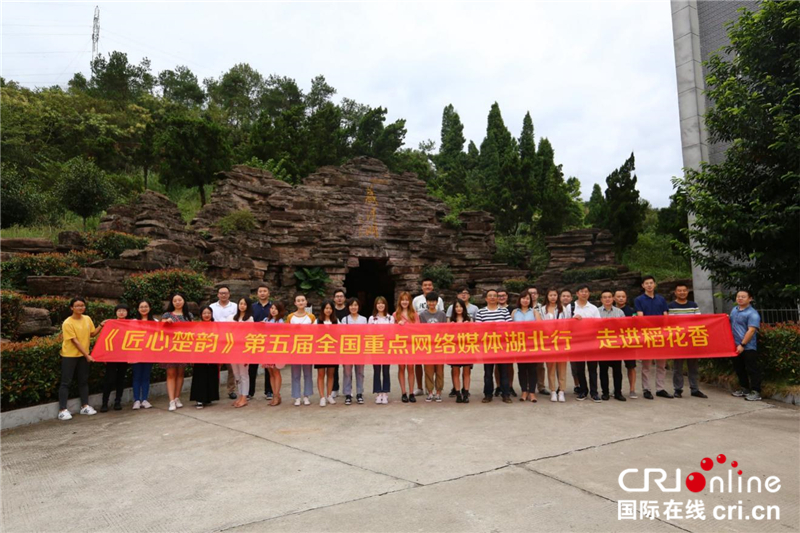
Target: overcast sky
x=597, y=77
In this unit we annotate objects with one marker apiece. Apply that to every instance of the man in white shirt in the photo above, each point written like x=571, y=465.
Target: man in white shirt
x=585, y=310
x=224, y=310
x=420, y=305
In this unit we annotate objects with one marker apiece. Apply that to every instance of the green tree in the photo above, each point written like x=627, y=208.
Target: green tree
x=373, y=139
x=451, y=160
x=238, y=93
x=674, y=219
x=181, y=86
x=84, y=189
x=596, y=216
x=746, y=210
x=320, y=94
x=117, y=80
x=624, y=211
x=498, y=167
x=192, y=149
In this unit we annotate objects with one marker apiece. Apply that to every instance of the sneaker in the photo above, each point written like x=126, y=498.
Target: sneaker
x=453, y=393
x=269, y=396
x=754, y=396
x=178, y=403
x=322, y=402
x=232, y=395
x=199, y=405
x=465, y=395
x=648, y=395
x=663, y=394
x=379, y=398
x=438, y=398
x=306, y=401
x=331, y=400
x=146, y=404
x=633, y=395
x=64, y=415
x=513, y=392
x=581, y=396
x=89, y=410
x=596, y=398
x=297, y=402
x=554, y=396
x=429, y=398
x=677, y=394
x=348, y=400
x=172, y=405
x=412, y=398
x=334, y=394
x=418, y=392
x=360, y=398
x=104, y=408
x=459, y=398
x=404, y=398
x=741, y=393
x=137, y=405
x=117, y=406
x=576, y=390
x=698, y=394
x=561, y=397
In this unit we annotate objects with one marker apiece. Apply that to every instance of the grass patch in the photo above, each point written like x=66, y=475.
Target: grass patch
x=70, y=222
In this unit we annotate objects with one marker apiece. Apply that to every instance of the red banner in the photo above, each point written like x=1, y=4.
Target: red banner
x=653, y=337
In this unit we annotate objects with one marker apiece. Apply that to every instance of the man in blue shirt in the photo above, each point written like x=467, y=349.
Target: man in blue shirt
x=745, y=323
x=652, y=304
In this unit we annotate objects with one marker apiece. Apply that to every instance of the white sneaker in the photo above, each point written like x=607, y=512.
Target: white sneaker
x=418, y=392
x=172, y=405
x=297, y=402
x=64, y=415
x=561, y=397
x=306, y=400
x=334, y=394
x=137, y=405
x=178, y=403
x=88, y=410
x=146, y=404
x=379, y=398
x=322, y=402
x=331, y=400
x=554, y=396
x=385, y=399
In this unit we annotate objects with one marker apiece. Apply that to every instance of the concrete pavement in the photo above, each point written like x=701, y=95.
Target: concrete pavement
x=398, y=467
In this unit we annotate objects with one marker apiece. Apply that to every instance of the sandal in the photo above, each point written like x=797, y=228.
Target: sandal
x=533, y=399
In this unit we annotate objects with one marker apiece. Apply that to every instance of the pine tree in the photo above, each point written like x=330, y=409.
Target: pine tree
x=595, y=216
x=624, y=212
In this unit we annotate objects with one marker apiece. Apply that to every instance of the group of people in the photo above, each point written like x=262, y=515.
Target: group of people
x=428, y=308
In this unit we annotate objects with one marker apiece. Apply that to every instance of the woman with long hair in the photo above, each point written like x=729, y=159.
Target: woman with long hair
x=381, y=385
x=277, y=314
x=405, y=314
x=141, y=371
x=525, y=312
x=461, y=374
x=176, y=312
x=244, y=313
x=327, y=316
x=553, y=309
x=205, y=376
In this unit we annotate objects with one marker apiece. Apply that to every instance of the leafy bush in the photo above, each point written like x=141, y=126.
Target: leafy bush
x=59, y=308
x=199, y=266
x=10, y=311
x=277, y=169
x=779, y=346
x=578, y=275
x=522, y=251
x=441, y=275
x=158, y=285
x=237, y=221
x=16, y=270
x=653, y=254
x=111, y=244
x=32, y=373
x=515, y=284
x=312, y=280
x=84, y=257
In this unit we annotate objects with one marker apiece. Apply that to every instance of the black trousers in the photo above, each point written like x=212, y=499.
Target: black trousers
x=488, y=379
x=616, y=372
x=252, y=371
x=528, y=376
x=336, y=379
x=747, y=369
x=69, y=367
x=114, y=380
x=579, y=368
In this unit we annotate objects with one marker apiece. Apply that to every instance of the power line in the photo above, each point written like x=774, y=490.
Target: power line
x=185, y=60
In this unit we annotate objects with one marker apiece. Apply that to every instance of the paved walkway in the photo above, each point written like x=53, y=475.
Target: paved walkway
x=398, y=467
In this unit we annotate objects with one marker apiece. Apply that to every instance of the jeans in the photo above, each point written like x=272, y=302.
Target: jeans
x=529, y=376
x=488, y=379
x=69, y=366
x=677, y=374
x=380, y=381
x=242, y=378
x=141, y=381
x=616, y=372
x=348, y=379
x=579, y=368
x=114, y=380
x=308, y=383
x=748, y=371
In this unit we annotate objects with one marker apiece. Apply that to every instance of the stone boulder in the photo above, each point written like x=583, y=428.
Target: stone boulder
x=34, y=321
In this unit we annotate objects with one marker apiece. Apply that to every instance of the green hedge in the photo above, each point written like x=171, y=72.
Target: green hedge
x=580, y=275
x=778, y=355
x=10, y=312
x=32, y=373
x=111, y=244
x=16, y=270
x=158, y=285
x=515, y=284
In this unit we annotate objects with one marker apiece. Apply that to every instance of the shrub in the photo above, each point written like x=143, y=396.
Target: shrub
x=84, y=189
x=10, y=311
x=156, y=286
x=515, y=284
x=111, y=244
x=441, y=275
x=578, y=275
x=237, y=221
x=779, y=346
x=16, y=270
x=522, y=251
x=84, y=257
x=199, y=266
x=312, y=280
x=59, y=308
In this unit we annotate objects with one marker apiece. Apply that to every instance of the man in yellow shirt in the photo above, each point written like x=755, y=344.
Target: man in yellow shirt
x=77, y=331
